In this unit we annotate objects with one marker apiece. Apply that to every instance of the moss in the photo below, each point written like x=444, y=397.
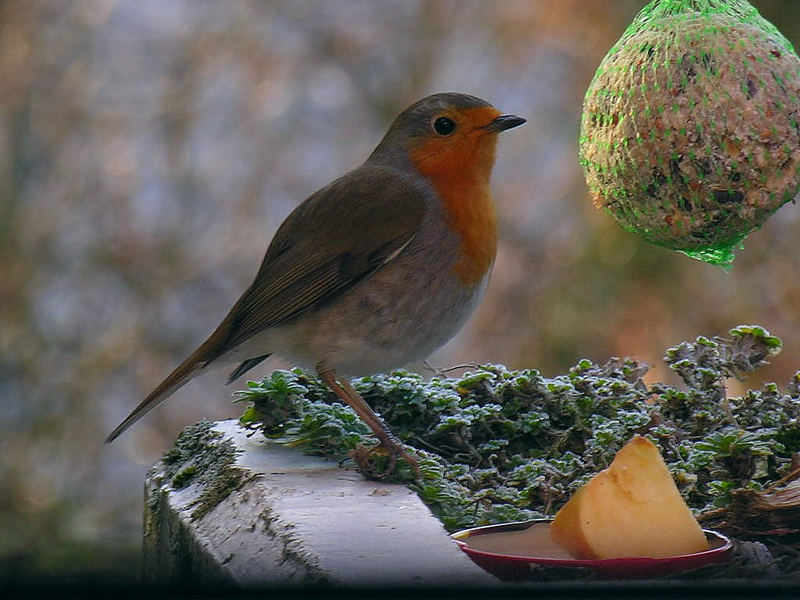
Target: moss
x=499, y=445
x=201, y=456
x=219, y=488
x=184, y=477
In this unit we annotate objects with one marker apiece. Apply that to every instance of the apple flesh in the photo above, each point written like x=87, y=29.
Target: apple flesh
x=632, y=508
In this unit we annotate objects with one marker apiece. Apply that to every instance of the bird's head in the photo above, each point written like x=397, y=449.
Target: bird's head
x=446, y=135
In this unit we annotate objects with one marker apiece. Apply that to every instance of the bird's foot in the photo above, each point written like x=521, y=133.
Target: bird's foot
x=365, y=459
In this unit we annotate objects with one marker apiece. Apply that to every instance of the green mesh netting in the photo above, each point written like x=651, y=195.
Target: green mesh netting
x=689, y=134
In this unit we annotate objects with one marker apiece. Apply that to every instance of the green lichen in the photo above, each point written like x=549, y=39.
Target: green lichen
x=184, y=477
x=499, y=445
x=201, y=456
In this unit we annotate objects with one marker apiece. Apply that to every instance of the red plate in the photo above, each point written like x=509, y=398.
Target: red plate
x=511, y=550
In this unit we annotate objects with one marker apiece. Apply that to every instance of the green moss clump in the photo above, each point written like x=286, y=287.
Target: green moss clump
x=201, y=456
x=501, y=445
x=184, y=477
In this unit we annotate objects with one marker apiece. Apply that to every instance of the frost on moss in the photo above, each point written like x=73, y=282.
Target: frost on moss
x=500, y=445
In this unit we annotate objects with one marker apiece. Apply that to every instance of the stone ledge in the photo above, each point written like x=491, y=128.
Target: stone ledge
x=294, y=519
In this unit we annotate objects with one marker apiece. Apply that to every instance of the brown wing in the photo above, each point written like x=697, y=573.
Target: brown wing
x=333, y=240
x=329, y=243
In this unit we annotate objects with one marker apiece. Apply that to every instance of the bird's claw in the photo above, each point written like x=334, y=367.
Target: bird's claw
x=361, y=455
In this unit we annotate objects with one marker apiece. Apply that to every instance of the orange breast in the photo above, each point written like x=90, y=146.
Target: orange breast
x=471, y=215
x=459, y=170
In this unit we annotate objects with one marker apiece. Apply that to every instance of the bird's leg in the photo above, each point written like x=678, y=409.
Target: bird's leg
x=345, y=391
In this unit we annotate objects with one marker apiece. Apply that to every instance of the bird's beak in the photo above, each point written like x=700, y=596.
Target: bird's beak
x=503, y=122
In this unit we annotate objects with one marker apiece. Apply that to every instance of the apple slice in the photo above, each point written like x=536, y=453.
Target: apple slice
x=632, y=508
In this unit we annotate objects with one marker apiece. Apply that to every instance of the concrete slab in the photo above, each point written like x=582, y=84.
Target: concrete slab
x=295, y=519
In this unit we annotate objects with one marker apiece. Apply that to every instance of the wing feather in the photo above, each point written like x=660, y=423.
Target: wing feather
x=336, y=238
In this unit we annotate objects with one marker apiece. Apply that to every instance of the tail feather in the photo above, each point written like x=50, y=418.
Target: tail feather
x=184, y=373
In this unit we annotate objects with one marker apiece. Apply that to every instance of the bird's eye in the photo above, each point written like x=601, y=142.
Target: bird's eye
x=444, y=126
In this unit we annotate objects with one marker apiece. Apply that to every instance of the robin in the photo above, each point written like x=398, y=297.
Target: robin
x=377, y=269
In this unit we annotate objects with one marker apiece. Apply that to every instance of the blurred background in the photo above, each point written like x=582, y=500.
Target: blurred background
x=150, y=148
